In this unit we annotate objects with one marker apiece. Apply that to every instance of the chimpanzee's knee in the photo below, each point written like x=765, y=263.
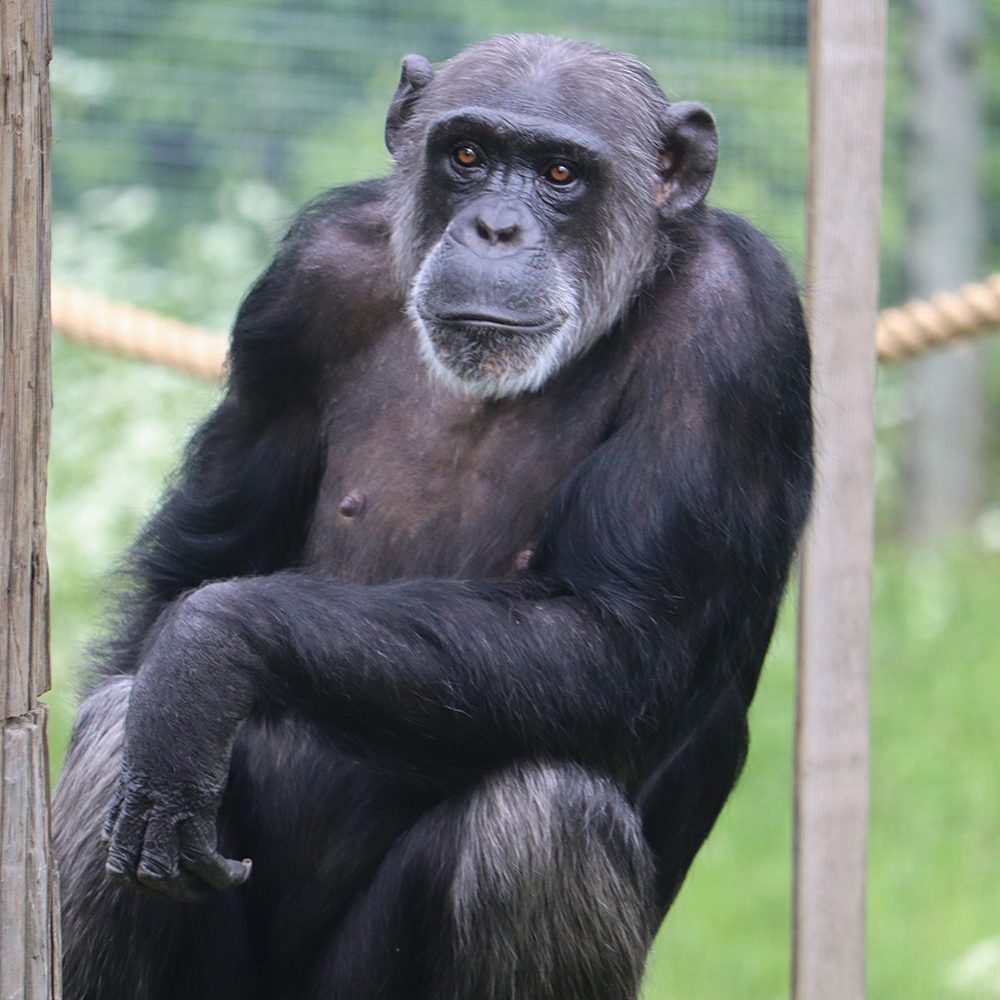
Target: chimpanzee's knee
x=551, y=896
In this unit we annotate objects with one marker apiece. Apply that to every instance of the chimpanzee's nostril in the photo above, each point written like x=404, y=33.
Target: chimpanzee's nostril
x=495, y=233
x=484, y=232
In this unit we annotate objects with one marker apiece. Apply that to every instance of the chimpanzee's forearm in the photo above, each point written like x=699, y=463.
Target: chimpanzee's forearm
x=429, y=666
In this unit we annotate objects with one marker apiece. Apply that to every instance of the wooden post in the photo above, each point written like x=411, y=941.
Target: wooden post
x=29, y=929
x=847, y=63
x=944, y=238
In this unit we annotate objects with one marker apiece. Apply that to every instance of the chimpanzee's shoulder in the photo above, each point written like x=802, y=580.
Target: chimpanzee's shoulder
x=738, y=245
x=329, y=286
x=727, y=306
x=342, y=230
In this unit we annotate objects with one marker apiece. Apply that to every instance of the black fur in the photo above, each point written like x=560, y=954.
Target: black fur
x=473, y=731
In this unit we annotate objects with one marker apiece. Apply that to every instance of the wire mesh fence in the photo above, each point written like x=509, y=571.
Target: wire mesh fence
x=186, y=132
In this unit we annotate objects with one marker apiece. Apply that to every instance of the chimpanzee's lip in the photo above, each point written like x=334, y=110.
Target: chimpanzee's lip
x=499, y=322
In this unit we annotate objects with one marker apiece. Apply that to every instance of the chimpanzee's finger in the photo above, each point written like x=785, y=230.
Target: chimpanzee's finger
x=109, y=824
x=200, y=856
x=125, y=844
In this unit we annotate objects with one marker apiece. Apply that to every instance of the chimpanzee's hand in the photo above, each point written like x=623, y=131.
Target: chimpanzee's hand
x=186, y=703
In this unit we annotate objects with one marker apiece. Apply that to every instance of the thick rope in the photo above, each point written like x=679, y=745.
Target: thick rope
x=139, y=333
x=971, y=311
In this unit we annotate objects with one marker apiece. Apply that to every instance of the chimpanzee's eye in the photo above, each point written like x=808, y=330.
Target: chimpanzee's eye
x=467, y=156
x=560, y=174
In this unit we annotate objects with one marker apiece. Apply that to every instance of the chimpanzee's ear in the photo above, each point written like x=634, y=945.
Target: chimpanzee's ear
x=687, y=158
x=416, y=73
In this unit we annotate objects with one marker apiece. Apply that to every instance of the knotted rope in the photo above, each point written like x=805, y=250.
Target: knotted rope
x=915, y=326
x=140, y=333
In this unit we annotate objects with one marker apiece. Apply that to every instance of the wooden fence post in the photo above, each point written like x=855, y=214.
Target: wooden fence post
x=29, y=927
x=847, y=41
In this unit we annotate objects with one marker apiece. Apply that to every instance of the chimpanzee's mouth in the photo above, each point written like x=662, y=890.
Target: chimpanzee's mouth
x=499, y=322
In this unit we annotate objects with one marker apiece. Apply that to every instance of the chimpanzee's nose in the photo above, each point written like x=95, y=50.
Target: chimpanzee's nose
x=502, y=226
x=495, y=227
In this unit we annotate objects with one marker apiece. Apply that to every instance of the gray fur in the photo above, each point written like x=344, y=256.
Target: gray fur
x=550, y=894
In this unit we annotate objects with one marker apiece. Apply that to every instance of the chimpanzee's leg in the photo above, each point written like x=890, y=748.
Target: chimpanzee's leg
x=535, y=885
x=682, y=799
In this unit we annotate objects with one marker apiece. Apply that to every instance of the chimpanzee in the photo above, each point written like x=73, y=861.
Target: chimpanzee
x=451, y=619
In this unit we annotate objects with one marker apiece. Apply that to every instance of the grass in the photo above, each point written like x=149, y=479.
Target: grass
x=934, y=889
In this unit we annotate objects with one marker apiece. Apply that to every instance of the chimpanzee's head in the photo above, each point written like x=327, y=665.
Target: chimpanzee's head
x=535, y=180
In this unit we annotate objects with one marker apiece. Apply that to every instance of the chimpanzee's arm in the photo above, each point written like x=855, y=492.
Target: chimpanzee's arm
x=658, y=573
x=243, y=501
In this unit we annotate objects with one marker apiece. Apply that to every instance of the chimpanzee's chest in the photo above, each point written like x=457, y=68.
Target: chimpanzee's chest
x=421, y=481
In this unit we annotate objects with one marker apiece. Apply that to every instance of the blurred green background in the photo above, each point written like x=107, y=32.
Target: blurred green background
x=185, y=135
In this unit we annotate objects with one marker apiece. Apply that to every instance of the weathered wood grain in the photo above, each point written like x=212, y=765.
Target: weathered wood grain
x=29, y=932
x=847, y=63
x=25, y=382
x=28, y=911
